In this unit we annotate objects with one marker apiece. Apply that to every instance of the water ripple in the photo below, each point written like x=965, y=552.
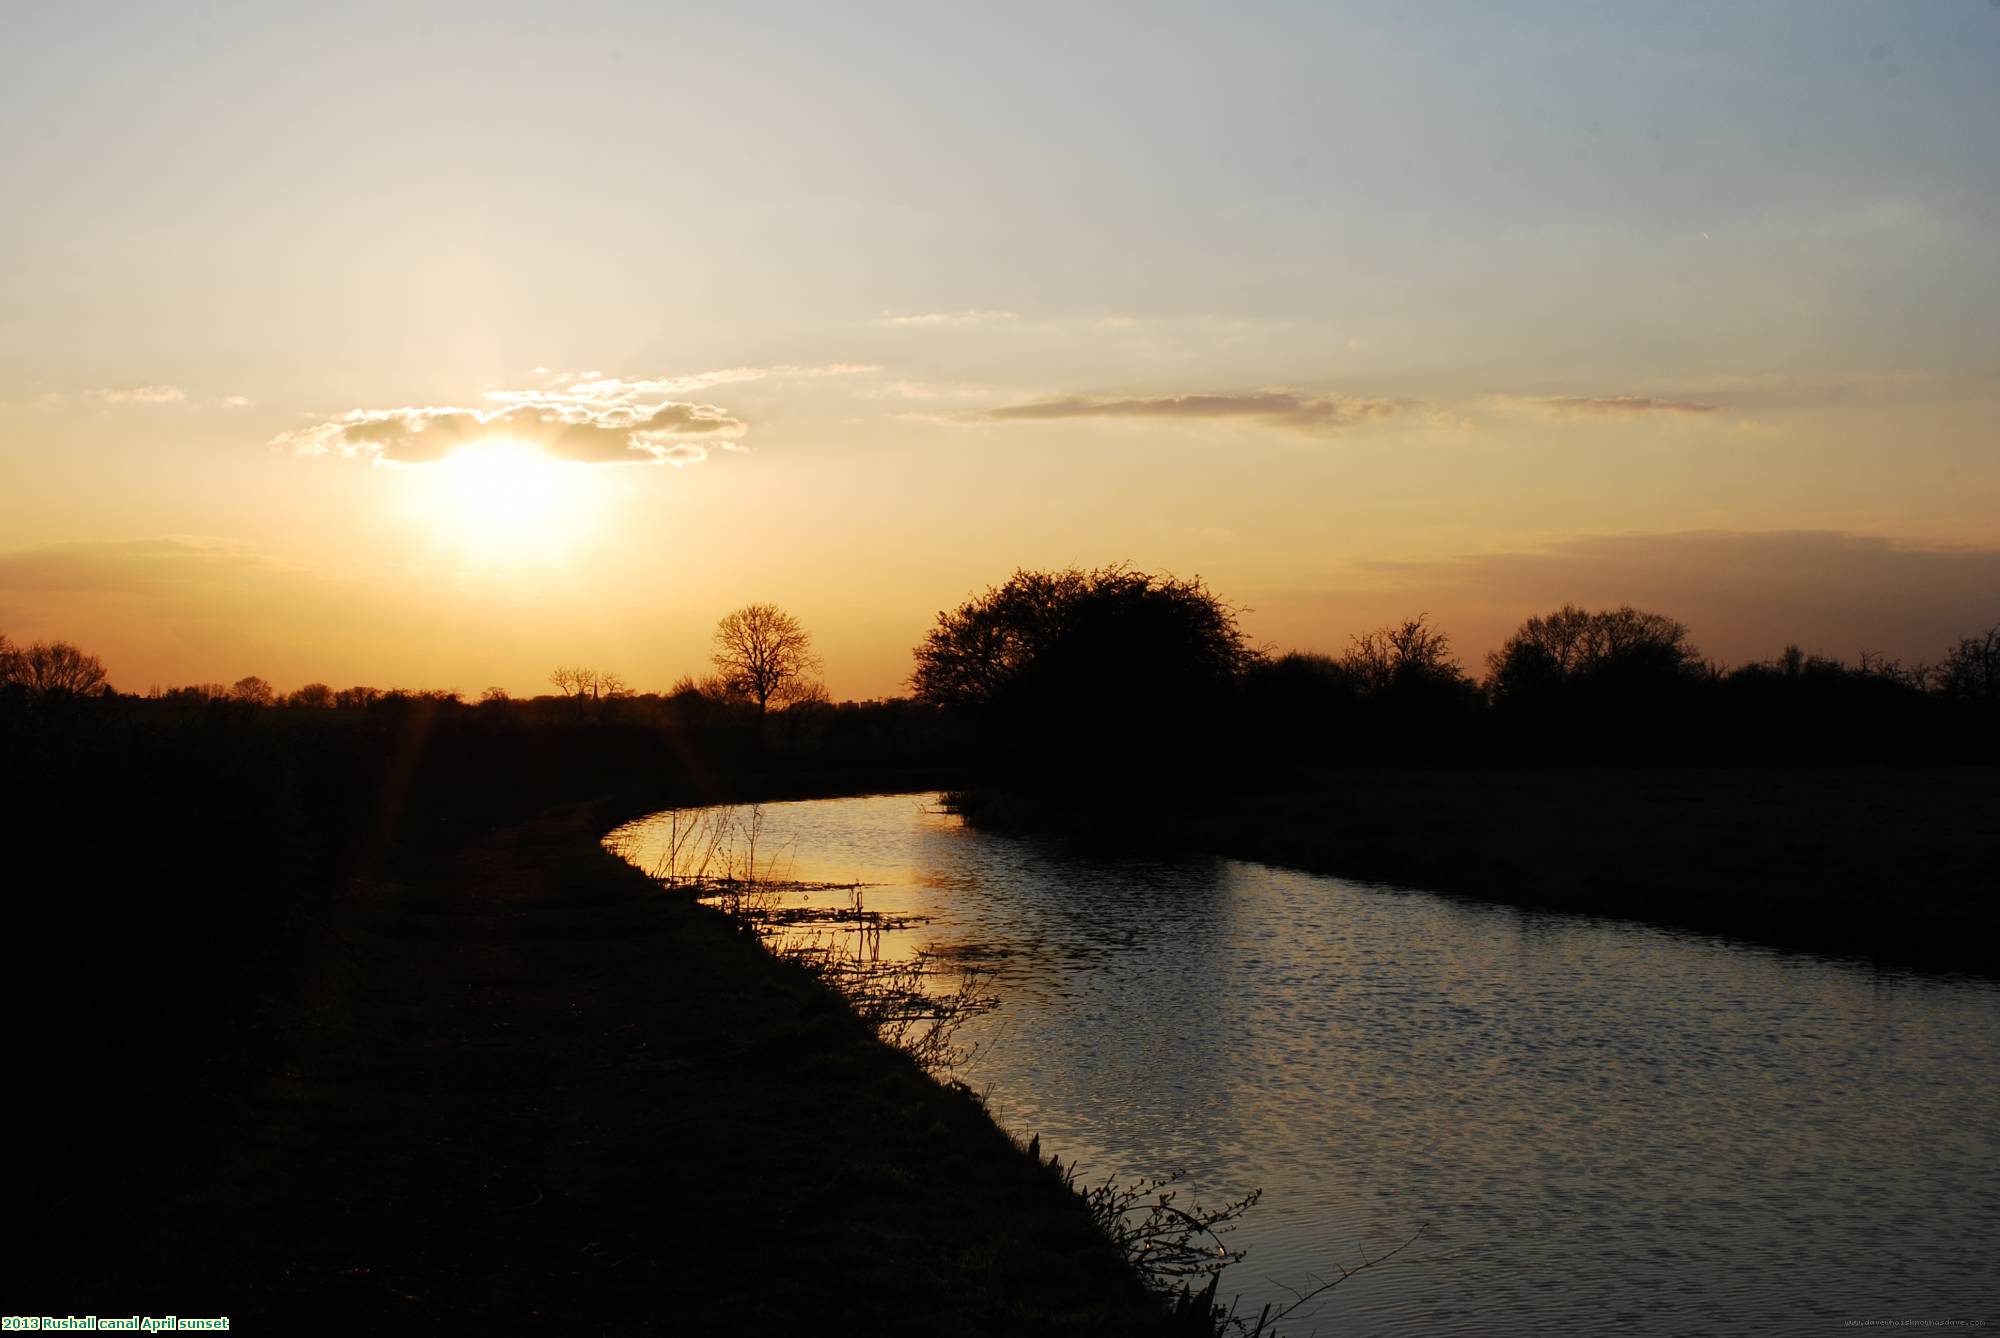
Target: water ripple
x=1604, y=1124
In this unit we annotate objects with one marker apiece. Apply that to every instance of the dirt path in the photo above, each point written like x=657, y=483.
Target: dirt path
x=534, y=1093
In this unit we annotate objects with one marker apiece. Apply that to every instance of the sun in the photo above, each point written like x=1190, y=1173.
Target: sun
x=503, y=501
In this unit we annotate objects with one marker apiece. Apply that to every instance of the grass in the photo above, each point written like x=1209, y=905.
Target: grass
x=529, y=1091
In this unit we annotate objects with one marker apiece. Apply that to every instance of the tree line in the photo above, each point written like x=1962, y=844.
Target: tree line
x=247, y=808
x=762, y=657
x=1117, y=676
x=1115, y=670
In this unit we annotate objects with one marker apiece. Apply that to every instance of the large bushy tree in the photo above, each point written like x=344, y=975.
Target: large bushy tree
x=1605, y=684
x=313, y=696
x=1573, y=646
x=1083, y=673
x=252, y=691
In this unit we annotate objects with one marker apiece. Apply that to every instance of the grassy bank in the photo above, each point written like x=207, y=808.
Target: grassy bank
x=527, y=1091
x=175, y=868
x=1892, y=863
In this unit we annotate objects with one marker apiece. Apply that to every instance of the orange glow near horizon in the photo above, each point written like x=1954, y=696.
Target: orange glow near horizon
x=432, y=388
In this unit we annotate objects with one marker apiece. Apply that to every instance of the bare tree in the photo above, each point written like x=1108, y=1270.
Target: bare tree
x=10, y=661
x=315, y=696
x=1970, y=670
x=1411, y=651
x=253, y=690
x=765, y=654
x=57, y=667
x=584, y=684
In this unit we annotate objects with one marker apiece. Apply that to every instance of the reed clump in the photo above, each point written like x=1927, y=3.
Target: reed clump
x=916, y=1005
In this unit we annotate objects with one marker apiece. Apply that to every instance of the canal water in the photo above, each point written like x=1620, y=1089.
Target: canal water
x=1598, y=1125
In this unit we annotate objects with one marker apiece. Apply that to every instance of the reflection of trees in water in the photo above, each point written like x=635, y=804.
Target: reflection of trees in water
x=1567, y=1099
x=1111, y=990
x=1110, y=972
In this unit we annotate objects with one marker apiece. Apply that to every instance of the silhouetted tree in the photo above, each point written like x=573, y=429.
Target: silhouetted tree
x=10, y=661
x=1410, y=654
x=978, y=654
x=196, y=692
x=1573, y=646
x=711, y=687
x=358, y=696
x=1113, y=670
x=1970, y=671
x=57, y=668
x=586, y=684
x=1801, y=705
x=313, y=696
x=1396, y=691
x=1617, y=682
x=985, y=649
x=1303, y=703
x=1893, y=671
x=572, y=680
x=252, y=690
x=764, y=654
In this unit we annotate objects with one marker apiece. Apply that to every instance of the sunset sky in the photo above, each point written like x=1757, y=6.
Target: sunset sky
x=433, y=345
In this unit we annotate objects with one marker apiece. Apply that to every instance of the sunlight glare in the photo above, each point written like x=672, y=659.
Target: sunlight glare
x=503, y=501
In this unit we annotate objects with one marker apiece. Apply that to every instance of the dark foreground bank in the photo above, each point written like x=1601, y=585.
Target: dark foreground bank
x=527, y=1091
x=1898, y=864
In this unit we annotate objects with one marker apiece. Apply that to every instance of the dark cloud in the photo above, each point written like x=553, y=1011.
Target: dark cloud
x=1279, y=409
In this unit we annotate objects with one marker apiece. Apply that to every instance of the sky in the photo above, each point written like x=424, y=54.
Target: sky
x=436, y=345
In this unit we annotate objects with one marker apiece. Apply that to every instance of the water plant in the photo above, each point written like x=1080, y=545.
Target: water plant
x=914, y=1005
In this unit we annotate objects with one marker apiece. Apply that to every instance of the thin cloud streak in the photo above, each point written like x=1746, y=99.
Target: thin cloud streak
x=1602, y=406
x=930, y=390
x=594, y=387
x=1316, y=414
x=970, y=316
x=154, y=394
